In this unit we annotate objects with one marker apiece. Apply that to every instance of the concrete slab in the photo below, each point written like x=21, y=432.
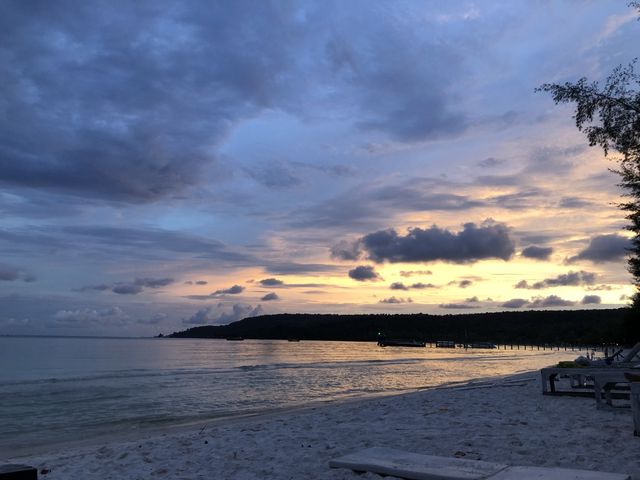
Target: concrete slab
x=413, y=466
x=540, y=473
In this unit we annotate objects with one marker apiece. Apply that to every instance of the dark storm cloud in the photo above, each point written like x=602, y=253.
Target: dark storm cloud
x=126, y=289
x=591, y=300
x=537, y=253
x=12, y=274
x=515, y=303
x=604, y=248
x=129, y=102
x=234, y=290
x=563, y=280
x=398, y=79
x=344, y=250
x=473, y=243
x=550, y=301
x=126, y=102
x=271, y=282
x=363, y=273
x=396, y=300
x=270, y=296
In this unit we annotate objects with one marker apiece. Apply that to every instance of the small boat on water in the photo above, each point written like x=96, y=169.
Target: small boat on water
x=388, y=342
x=235, y=339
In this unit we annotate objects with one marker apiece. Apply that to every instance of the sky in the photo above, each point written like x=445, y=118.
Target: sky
x=165, y=165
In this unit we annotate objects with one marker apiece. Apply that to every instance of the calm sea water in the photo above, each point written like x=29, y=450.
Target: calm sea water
x=59, y=389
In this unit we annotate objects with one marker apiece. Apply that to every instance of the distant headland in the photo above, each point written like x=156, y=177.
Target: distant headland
x=529, y=327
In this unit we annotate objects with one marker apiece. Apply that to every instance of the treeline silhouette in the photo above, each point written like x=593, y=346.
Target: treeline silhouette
x=529, y=327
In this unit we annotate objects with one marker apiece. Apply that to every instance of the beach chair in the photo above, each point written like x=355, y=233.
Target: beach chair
x=17, y=472
x=634, y=380
x=414, y=466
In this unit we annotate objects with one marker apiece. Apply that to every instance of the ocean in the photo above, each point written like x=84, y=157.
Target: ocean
x=55, y=390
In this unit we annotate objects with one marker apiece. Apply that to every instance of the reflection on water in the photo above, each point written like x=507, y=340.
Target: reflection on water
x=53, y=389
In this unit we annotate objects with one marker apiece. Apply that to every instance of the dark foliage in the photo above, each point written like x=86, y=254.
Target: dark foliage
x=610, y=117
x=530, y=327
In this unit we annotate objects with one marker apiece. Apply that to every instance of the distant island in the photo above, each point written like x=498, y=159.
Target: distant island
x=534, y=327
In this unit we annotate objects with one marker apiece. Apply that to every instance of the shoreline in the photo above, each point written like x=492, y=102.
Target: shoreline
x=232, y=419
x=504, y=419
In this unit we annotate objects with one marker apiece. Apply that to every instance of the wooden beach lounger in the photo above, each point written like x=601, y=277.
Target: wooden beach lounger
x=414, y=466
x=17, y=472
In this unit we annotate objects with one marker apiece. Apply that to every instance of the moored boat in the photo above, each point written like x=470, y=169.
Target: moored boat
x=384, y=342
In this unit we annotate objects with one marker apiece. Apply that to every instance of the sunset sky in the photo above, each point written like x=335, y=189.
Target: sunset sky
x=171, y=164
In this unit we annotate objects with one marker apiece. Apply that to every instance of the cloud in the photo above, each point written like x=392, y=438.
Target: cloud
x=111, y=316
x=491, y=162
x=473, y=243
x=344, y=250
x=410, y=273
x=420, y=285
x=550, y=301
x=234, y=290
x=604, y=248
x=287, y=268
x=465, y=283
x=153, y=282
x=220, y=314
x=417, y=286
x=132, y=288
x=575, y=202
x=364, y=273
x=563, y=280
x=12, y=274
x=274, y=176
x=126, y=289
x=135, y=116
x=591, y=300
x=537, y=253
x=515, y=303
x=270, y=296
x=396, y=300
x=97, y=288
x=271, y=282
x=456, y=306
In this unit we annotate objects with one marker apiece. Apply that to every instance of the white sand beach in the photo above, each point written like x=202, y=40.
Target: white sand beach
x=507, y=421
